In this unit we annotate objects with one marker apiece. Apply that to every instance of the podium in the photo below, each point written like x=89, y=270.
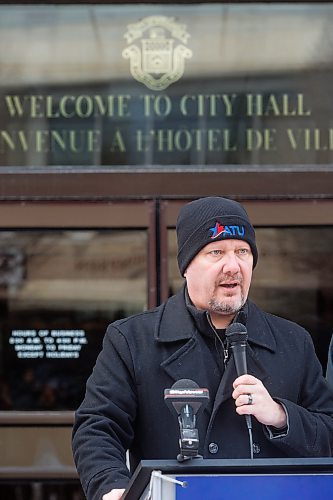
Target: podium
x=258, y=479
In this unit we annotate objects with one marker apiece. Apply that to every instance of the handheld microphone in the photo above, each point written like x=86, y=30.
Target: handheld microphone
x=236, y=335
x=187, y=398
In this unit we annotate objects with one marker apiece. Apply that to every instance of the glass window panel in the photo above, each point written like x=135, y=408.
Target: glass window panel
x=293, y=278
x=58, y=292
x=166, y=84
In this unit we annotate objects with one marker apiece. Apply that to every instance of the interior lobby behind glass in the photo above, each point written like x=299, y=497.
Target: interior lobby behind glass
x=59, y=291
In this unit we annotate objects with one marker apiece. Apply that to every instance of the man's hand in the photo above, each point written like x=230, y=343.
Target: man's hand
x=113, y=495
x=260, y=404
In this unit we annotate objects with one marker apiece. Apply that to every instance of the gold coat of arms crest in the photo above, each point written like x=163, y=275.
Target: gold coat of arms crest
x=157, y=58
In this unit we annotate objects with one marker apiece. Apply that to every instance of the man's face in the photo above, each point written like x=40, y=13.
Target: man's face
x=219, y=278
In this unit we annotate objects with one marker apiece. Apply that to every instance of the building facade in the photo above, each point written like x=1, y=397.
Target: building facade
x=112, y=116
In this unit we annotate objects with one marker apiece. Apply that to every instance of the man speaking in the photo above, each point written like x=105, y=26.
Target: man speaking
x=283, y=389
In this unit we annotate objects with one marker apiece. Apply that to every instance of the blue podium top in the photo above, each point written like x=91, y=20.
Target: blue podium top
x=256, y=487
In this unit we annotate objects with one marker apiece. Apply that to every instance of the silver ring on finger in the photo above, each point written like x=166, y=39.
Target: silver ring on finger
x=250, y=399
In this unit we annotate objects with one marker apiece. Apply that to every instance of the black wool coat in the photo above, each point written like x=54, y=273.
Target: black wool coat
x=144, y=354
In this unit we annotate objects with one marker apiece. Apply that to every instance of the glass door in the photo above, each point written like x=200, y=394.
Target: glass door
x=66, y=271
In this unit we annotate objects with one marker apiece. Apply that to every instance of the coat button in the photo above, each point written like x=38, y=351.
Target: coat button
x=213, y=448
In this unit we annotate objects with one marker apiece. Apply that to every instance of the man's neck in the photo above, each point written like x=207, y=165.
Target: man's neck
x=221, y=321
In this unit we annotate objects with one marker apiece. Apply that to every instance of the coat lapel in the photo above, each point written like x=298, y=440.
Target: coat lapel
x=225, y=389
x=187, y=363
x=174, y=325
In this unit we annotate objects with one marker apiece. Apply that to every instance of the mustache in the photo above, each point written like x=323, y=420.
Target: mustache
x=225, y=279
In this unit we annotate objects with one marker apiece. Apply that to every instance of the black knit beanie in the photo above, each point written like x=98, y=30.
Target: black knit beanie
x=211, y=219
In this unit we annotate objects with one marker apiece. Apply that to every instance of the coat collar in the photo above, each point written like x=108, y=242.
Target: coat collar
x=175, y=323
x=258, y=328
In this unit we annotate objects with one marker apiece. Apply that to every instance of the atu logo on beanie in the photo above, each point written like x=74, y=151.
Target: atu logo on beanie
x=209, y=219
x=233, y=230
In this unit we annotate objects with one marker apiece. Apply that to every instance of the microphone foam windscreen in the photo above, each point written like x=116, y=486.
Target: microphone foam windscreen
x=236, y=333
x=185, y=383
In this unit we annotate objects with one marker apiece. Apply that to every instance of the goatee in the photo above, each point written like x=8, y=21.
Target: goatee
x=221, y=307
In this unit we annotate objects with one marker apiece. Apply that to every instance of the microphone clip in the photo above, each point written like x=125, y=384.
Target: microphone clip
x=189, y=435
x=188, y=444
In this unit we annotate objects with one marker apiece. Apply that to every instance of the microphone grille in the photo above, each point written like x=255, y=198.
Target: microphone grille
x=236, y=333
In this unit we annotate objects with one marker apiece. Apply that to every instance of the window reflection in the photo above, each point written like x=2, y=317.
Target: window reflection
x=58, y=292
x=248, y=94
x=293, y=278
